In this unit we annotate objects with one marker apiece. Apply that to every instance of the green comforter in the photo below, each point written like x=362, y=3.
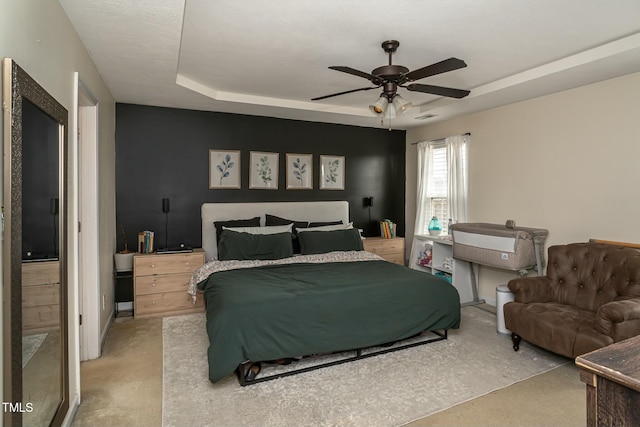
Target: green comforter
x=275, y=311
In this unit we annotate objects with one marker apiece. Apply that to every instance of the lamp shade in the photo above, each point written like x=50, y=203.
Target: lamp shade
x=380, y=106
x=390, y=112
x=401, y=105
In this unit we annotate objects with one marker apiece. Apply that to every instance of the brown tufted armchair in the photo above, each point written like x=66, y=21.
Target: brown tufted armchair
x=590, y=298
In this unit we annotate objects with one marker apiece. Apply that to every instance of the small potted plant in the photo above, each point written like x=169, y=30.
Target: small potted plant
x=124, y=258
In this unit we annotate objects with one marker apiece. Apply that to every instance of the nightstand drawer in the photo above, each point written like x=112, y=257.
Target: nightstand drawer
x=42, y=318
x=166, y=303
x=34, y=296
x=167, y=264
x=38, y=273
x=158, y=284
x=383, y=246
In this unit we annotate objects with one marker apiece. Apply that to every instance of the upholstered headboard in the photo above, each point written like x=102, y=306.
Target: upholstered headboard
x=297, y=211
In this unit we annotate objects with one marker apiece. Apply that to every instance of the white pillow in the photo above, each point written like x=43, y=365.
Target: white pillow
x=272, y=229
x=327, y=228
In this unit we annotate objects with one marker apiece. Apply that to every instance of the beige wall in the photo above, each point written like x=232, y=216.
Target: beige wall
x=567, y=162
x=39, y=37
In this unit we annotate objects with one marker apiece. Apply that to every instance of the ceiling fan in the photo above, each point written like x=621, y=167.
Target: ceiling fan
x=391, y=77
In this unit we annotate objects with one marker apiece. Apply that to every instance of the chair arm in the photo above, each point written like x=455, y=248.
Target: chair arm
x=619, y=319
x=531, y=289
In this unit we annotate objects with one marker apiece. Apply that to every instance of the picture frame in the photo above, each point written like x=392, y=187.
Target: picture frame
x=224, y=169
x=299, y=171
x=263, y=170
x=332, y=169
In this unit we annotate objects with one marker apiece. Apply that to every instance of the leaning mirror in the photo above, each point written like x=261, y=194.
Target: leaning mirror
x=34, y=252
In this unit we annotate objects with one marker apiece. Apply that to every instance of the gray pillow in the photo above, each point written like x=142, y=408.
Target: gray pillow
x=245, y=246
x=321, y=242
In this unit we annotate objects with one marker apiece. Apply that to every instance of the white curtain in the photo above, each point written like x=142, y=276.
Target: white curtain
x=423, y=201
x=458, y=181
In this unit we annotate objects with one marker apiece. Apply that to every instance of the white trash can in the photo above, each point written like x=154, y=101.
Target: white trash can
x=503, y=296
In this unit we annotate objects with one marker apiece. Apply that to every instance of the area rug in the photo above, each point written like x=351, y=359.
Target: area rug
x=388, y=390
x=31, y=344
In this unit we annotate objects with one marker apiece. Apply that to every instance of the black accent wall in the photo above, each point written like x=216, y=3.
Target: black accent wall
x=164, y=153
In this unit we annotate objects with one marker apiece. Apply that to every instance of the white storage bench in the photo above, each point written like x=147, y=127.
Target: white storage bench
x=517, y=248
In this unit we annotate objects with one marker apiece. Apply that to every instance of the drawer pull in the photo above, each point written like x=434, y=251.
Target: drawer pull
x=153, y=285
x=153, y=266
x=187, y=264
x=153, y=303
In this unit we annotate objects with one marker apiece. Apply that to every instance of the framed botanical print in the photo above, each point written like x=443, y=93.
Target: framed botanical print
x=224, y=169
x=263, y=170
x=332, y=172
x=299, y=171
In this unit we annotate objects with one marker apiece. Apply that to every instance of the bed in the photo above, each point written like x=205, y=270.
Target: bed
x=322, y=301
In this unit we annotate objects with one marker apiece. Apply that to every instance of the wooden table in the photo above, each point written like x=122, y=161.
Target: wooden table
x=612, y=375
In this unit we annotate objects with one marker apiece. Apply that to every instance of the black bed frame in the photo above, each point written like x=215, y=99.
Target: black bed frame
x=243, y=368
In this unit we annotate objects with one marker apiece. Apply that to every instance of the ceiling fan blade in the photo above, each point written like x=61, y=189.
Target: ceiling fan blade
x=343, y=93
x=433, y=69
x=375, y=80
x=438, y=90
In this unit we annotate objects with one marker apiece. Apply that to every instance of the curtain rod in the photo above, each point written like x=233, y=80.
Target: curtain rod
x=440, y=139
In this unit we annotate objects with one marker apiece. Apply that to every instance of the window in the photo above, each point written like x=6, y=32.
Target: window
x=442, y=160
x=437, y=189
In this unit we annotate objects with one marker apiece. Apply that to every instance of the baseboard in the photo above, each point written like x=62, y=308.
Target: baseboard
x=71, y=413
x=106, y=328
x=490, y=301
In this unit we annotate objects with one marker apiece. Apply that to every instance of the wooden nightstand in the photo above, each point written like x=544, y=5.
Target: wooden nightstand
x=160, y=283
x=391, y=250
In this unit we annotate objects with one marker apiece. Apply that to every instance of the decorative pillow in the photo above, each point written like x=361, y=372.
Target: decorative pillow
x=340, y=226
x=245, y=246
x=253, y=222
x=329, y=241
x=262, y=230
x=322, y=224
x=276, y=220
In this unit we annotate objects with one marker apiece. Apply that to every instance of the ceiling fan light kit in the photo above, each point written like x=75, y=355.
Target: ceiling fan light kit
x=380, y=106
x=400, y=104
x=390, y=77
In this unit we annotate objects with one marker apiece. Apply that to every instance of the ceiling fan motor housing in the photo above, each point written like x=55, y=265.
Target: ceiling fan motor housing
x=390, y=72
x=390, y=90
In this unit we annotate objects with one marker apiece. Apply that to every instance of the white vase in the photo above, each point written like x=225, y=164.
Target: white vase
x=123, y=262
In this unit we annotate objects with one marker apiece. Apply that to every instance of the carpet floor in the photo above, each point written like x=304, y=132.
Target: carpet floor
x=387, y=390
x=124, y=388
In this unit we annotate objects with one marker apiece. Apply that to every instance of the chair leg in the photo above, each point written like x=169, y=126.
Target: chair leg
x=516, y=341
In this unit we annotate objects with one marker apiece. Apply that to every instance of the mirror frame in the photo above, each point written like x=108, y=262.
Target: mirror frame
x=17, y=84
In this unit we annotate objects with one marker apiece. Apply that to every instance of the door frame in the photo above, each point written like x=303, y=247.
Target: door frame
x=89, y=285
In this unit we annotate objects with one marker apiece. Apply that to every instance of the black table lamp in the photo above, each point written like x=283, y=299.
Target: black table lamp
x=181, y=248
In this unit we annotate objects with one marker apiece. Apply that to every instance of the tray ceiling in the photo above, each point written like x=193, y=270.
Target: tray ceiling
x=269, y=58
